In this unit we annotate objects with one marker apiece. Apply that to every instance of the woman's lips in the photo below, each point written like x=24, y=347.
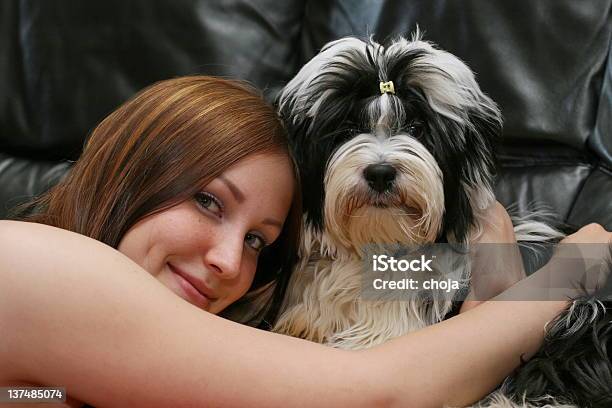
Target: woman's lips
x=188, y=286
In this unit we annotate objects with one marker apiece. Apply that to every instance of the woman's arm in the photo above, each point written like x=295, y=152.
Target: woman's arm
x=76, y=313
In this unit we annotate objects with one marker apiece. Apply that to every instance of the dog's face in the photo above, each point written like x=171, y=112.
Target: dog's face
x=411, y=164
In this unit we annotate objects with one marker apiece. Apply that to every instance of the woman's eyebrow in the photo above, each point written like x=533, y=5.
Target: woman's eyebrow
x=238, y=195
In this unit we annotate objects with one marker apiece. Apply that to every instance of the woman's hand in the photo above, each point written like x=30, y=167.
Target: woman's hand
x=580, y=265
x=589, y=234
x=496, y=260
x=497, y=226
x=582, y=262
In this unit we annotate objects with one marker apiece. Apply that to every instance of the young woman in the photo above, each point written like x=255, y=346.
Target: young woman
x=174, y=163
x=190, y=185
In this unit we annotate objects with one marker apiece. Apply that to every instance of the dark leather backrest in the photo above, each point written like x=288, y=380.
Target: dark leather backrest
x=66, y=64
x=69, y=63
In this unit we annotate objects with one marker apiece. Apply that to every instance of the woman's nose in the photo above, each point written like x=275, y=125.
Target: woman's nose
x=225, y=256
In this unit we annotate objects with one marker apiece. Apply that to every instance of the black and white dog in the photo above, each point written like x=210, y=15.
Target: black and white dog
x=395, y=145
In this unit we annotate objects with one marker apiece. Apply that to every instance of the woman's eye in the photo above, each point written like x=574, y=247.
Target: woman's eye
x=254, y=241
x=209, y=202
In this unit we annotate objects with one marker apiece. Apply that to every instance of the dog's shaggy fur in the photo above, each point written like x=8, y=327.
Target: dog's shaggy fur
x=573, y=368
x=410, y=167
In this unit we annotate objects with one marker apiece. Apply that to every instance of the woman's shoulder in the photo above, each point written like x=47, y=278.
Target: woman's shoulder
x=10, y=230
x=31, y=242
x=34, y=254
x=14, y=231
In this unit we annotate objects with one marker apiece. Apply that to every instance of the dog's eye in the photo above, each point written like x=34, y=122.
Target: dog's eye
x=415, y=129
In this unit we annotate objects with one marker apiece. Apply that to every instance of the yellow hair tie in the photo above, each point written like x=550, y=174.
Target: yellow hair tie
x=387, y=87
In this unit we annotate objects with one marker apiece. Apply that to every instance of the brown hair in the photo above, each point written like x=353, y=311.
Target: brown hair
x=159, y=149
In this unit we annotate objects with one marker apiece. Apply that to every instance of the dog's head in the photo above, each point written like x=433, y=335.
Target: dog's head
x=394, y=143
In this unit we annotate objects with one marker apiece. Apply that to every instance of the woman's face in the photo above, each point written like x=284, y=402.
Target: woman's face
x=205, y=249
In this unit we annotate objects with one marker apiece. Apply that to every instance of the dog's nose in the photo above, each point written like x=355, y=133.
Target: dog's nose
x=380, y=176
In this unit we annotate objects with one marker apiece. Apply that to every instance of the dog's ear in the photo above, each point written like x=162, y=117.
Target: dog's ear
x=474, y=165
x=476, y=175
x=452, y=157
x=317, y=107
x=482, y=138
x=308, y=154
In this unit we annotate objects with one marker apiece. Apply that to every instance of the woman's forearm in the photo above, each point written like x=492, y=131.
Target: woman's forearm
x=460, y=360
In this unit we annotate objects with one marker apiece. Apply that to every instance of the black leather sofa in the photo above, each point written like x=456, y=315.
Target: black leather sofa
x=65, y=64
